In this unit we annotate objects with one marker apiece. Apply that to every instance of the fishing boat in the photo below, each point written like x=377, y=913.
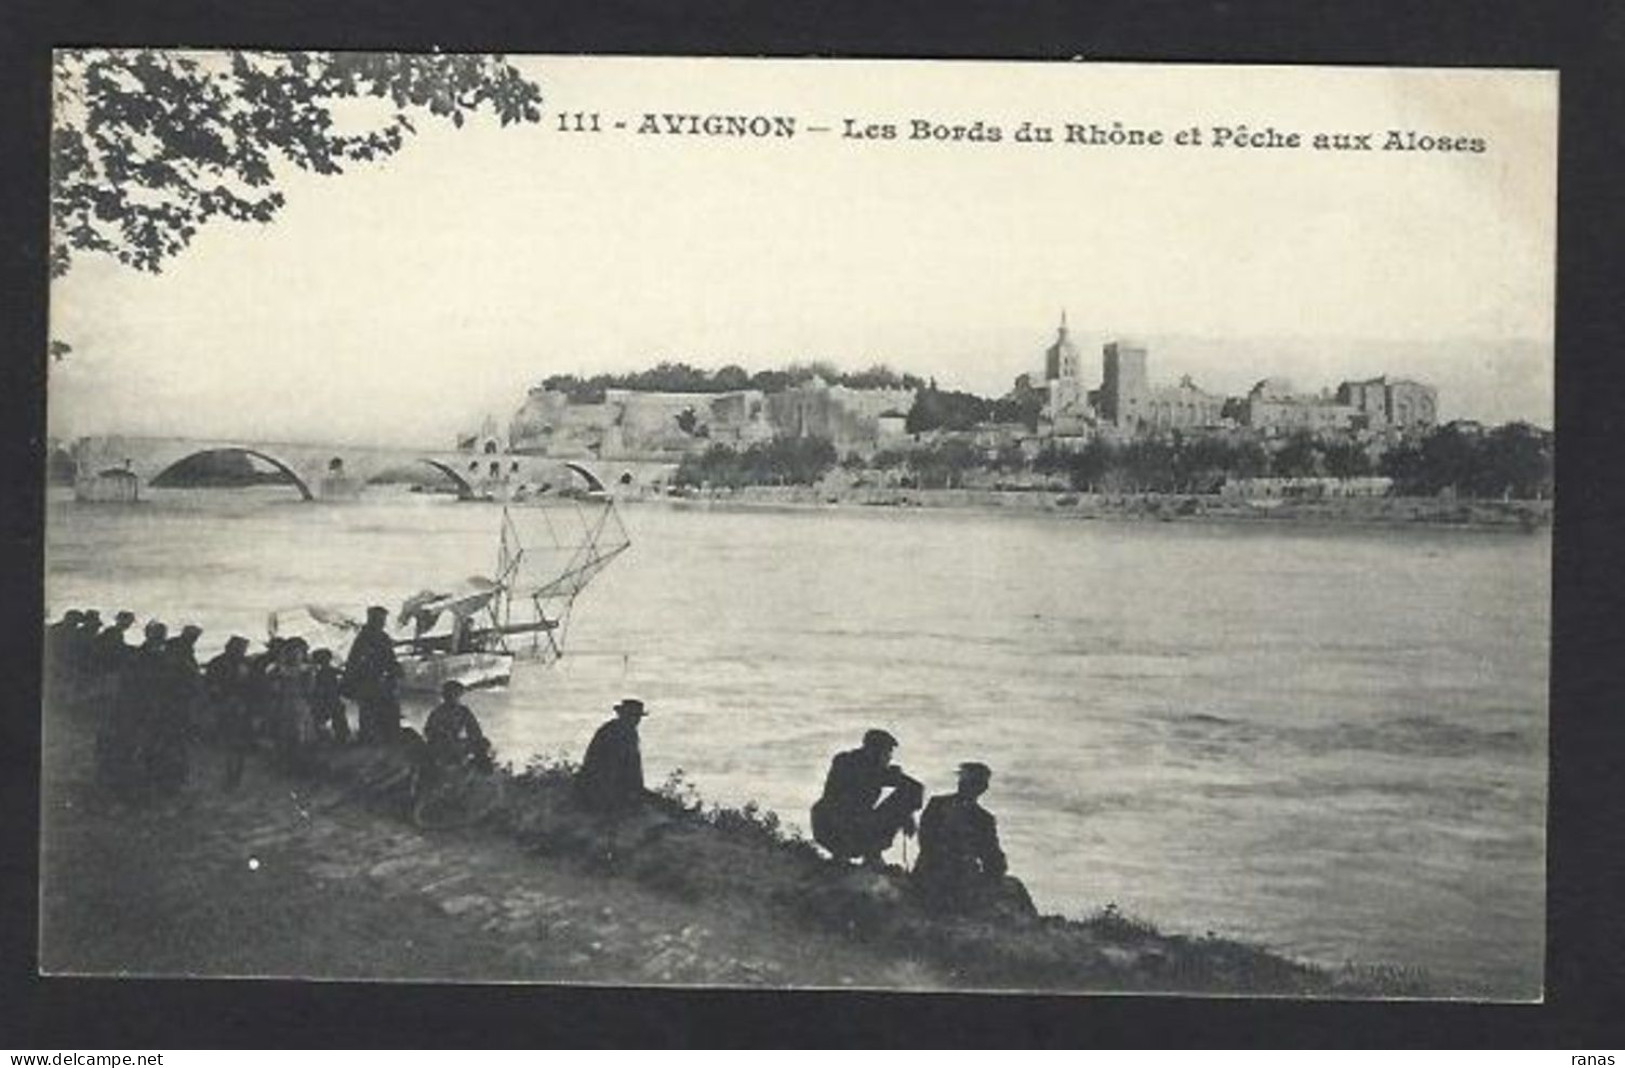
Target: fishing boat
x=475, y=631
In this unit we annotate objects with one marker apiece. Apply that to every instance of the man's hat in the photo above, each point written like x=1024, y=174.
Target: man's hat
x=155, y=629
x=236, y=641
x=976, y=771
x=877, y=737
x=123, y=617
x=91, y=613
x=191, y=632
x=452, y=688
x=377, y=611
x=631, y=706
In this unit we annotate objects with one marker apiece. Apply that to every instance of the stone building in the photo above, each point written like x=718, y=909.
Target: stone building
x=1066, y=401
x=1125, y=403
x=851, y=419
x=633, y=423
x=1380, y=403
x=1127, y=400
x=1272, y=407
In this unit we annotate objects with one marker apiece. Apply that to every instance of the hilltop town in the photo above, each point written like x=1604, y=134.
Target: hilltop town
x=1106, y=427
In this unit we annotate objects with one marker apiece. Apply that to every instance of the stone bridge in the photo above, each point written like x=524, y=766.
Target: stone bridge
x=327, y=471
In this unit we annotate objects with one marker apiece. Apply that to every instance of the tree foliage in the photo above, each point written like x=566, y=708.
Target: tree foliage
x=679, y=377
x=1514, y=460
x=781, y=462
x=947, y=409
x=147, y=146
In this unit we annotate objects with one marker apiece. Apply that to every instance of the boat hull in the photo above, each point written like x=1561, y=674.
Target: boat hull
x=426, y=673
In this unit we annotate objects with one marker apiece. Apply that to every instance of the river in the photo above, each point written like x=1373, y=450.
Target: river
x=1329, y=741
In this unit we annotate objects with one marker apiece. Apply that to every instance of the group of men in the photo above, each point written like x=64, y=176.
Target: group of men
x=152, y=698
x=146, y=694
x=867, y=801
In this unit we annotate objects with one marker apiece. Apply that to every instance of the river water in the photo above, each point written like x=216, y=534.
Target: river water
x=1329, y=741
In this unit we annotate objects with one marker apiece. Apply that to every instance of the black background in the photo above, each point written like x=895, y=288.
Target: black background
x=1585, y=1003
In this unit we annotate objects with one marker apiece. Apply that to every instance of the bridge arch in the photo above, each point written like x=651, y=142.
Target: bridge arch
x=465, y=488
x=293, y=476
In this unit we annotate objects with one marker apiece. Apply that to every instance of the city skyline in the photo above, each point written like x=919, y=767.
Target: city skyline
x=406, y=300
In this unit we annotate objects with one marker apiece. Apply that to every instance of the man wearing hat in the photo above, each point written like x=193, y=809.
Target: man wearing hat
x=851, y=820
x=961, y=867
x=370, y=674
x=611, y=775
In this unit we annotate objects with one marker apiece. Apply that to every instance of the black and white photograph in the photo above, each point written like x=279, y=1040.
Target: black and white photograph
x=906, y=525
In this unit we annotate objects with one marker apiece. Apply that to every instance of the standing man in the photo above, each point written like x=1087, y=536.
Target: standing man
x=124, y=744
x=611, y=775
x=174, y=688
x=851, y=820
x=961, y=867
x=326, y=700
x=60, y=639
x=370, y=675
x=106, y=654
x=188, y=674
x=227, y=679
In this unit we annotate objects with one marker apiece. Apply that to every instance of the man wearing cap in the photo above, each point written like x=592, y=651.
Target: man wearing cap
x=187, y=674
x=106, y=654
x=611, y=775
x=961, y=867
x=370, y=674
x=851, y=820
x=452, y=734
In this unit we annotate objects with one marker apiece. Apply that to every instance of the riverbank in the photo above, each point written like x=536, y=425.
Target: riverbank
x=327, y=876
x=1404, y=512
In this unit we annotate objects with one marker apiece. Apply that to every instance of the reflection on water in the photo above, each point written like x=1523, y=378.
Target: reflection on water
x=1329, y=741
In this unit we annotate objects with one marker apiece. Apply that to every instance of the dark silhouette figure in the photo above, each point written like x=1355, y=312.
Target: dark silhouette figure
x=371, y=673
x=452, y=734
x=611, y=776
x=326, y=700
x=188, y=675
x=61, y=647
x=125, y=731
x=103, y=657
x=290, y=682
x=961, y=867
x=228, y=681
x=174, y=692
x=851, y=820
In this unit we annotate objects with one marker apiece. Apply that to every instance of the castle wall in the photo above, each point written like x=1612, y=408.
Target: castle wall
x=631, y=423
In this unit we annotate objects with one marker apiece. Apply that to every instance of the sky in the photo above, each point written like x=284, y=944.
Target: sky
x=401, y=302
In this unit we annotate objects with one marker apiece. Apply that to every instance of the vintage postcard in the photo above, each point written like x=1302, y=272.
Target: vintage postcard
x=939, y=525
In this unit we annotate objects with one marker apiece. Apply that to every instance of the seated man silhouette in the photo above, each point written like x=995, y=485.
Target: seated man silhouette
x=851, y=819
x=961, y=867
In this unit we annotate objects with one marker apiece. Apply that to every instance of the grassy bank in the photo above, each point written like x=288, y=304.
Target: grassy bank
x=331, y=874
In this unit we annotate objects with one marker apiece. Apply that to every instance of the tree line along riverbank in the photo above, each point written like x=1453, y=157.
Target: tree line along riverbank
x=328, y=874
